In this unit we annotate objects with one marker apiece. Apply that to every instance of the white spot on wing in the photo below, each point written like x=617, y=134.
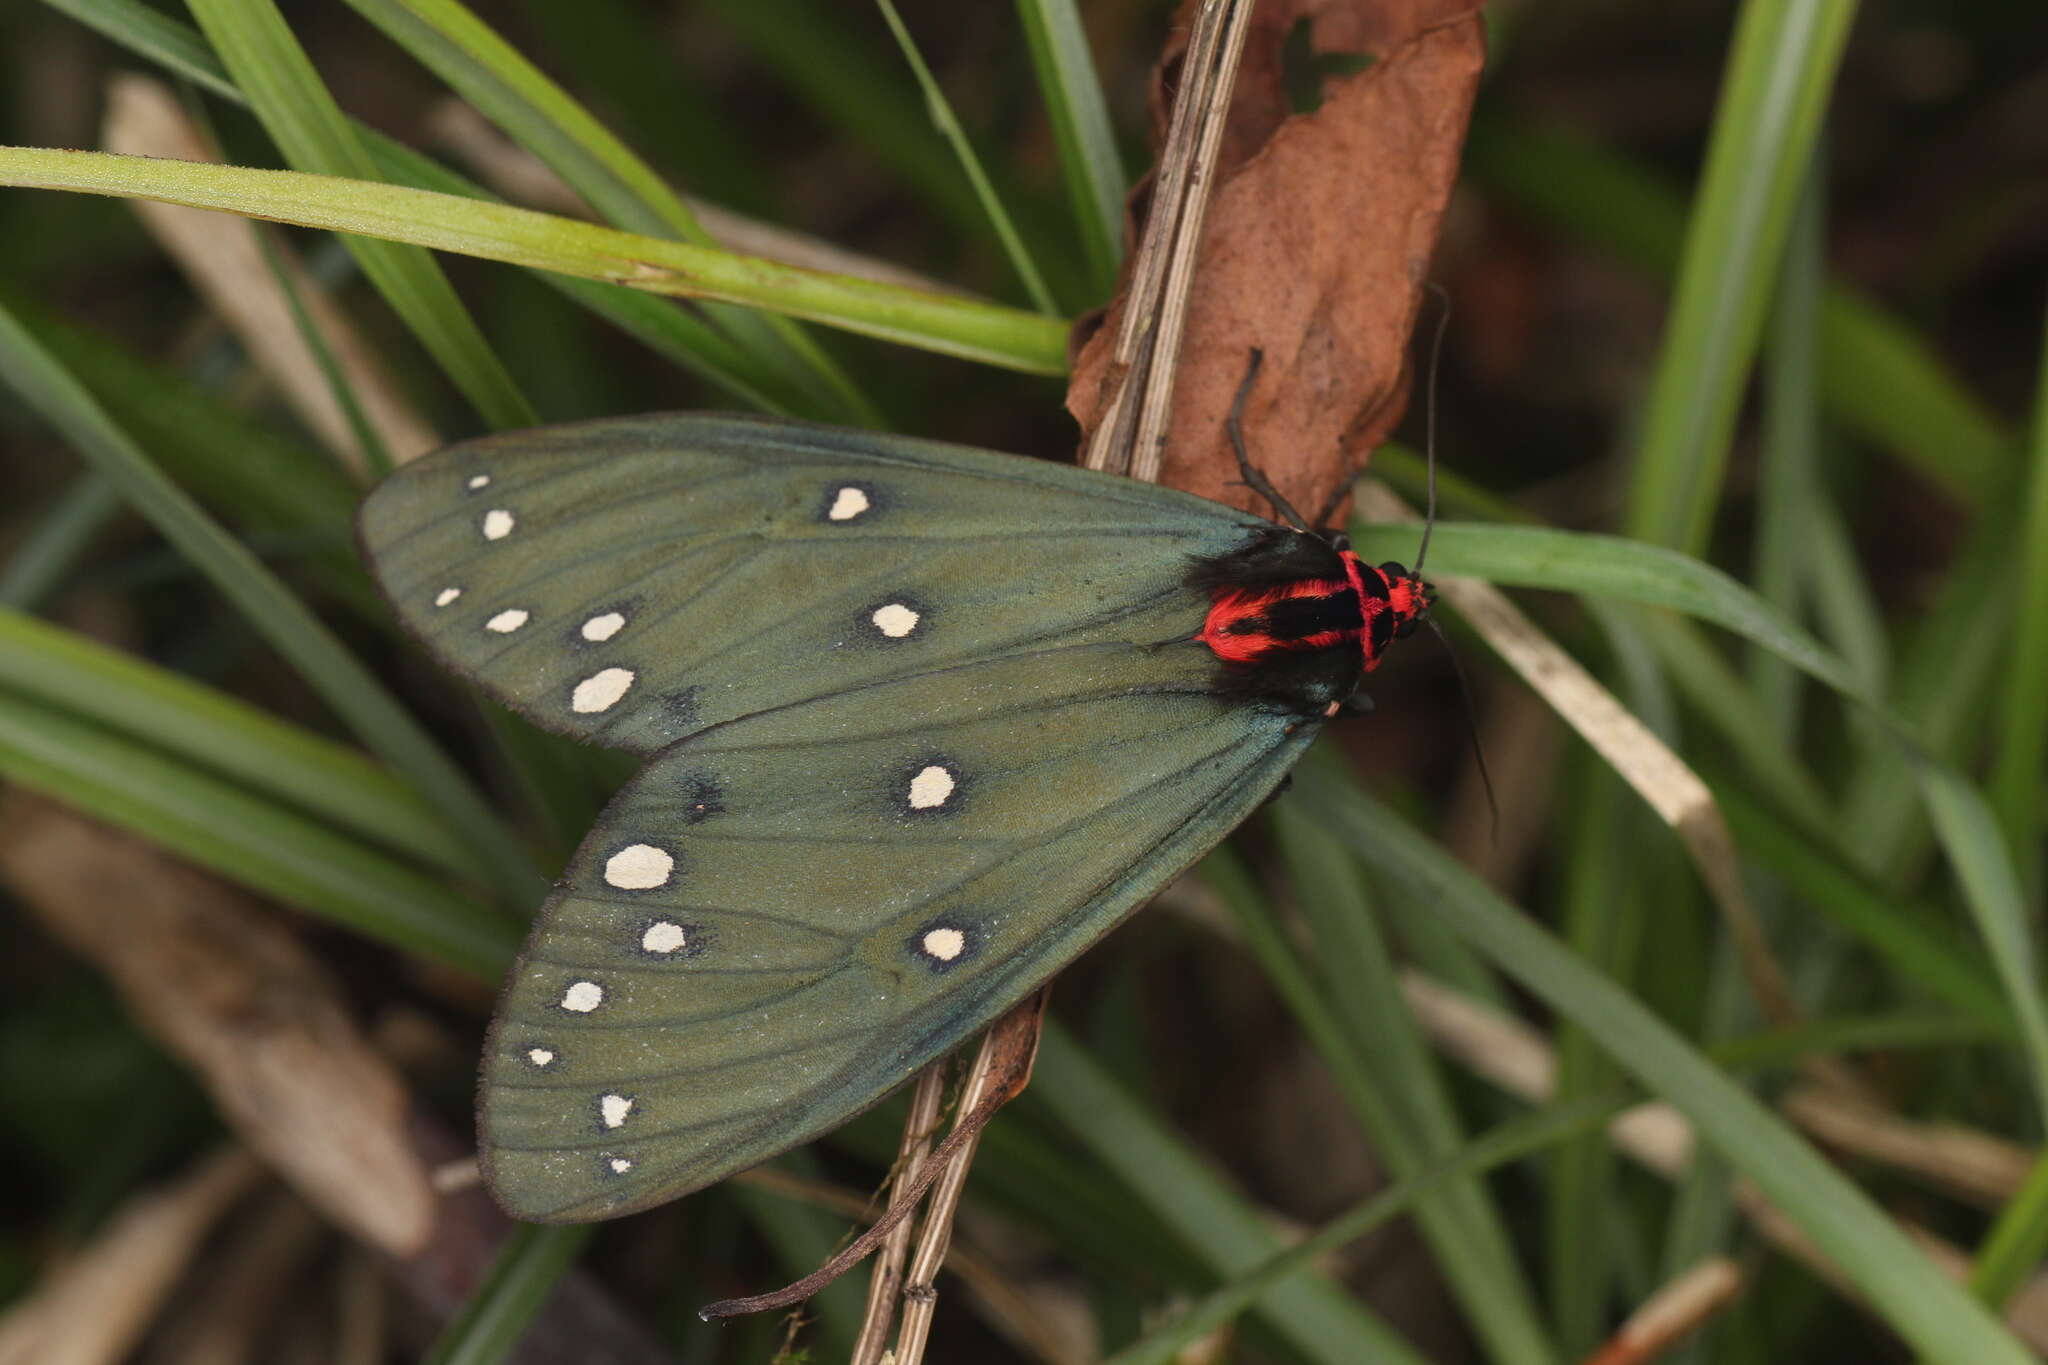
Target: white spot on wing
x=446, y=595
x=507, y=621
x=600, y=691
x=664, y=936
x=614, y=1108
x=582, y=996
x=477, y=481
x=850, y=503
x=498, y=524
x=540, y=1056
x=603, y=627
x=930, y=788
x=621, y=1165
x=895, y=620
x=944, y=944
x=638, y=867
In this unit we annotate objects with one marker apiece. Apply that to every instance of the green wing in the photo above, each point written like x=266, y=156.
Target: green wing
x=630, y=581
x=927, y=722
x=785, y=916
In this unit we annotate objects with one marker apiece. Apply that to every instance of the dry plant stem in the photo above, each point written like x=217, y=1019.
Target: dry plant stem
x=1670, y=788
x=1147, y=346
x=1973, y=1165
x=95, y=1307
x=225, y=265
x=1014, y=1042
x=360, y=1309
x=887, y=1276
x=1127, y=440
x=1672, y=1314
x=998, y=1296
x=1155, y=411
x=249, y=1284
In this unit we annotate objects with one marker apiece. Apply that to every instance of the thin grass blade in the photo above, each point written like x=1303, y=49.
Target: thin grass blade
x=248, y=838
x=1094, y=171
x=1766, y=122
x=1893, y=1277
x=283, y=620
x=948, y=124
x=1314, y=1316
x=521, y=1280
x=294, y=106
x=949, y=324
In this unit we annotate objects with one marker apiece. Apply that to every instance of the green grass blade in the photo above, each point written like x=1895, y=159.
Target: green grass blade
x=268, y=485
x=213, y=730
x=247, y=838
x=1878, y=378
x=1312, y=1315
x=948, y=124
x=948, y=324
x=38, y=567
x=1611, y=567
x=1603, y=906
x=1790, y=486
x=1765, y=126
x=369, y=442
x=451, y=41
x=2017, y=1242
x=1407, y=472
x=1945, y=684
x=474, y=61
x=178, y=47
x=528, y=1266
x=692, y=133
x=674, y=332
x=1383, y=1071
x=848, y=81
x=270, y=67
x=1094, y=172
x=1509, y=1142
x=2022, y=752
x=1890, y=1273
x=1741, y=718
x=1914, y=941
x=1847, y=613
x=1969, y=831
x=285, y=622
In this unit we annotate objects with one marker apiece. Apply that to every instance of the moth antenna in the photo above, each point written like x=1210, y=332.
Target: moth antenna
x=1253, y=479
x=1471, y=725
x=1436, y=352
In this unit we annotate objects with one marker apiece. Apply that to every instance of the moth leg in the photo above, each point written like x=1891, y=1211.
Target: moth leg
x=1329, y=530
x=1253, y=478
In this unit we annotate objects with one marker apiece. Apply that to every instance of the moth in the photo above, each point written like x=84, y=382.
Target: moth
x=921, y=724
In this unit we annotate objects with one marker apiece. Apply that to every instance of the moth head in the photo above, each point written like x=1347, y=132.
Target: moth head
x=1408, y=597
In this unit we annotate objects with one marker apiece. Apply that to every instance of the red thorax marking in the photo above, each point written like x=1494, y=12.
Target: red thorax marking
x=1238, y=629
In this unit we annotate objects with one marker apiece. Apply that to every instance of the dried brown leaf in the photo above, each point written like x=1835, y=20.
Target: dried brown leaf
x=1315, y=247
